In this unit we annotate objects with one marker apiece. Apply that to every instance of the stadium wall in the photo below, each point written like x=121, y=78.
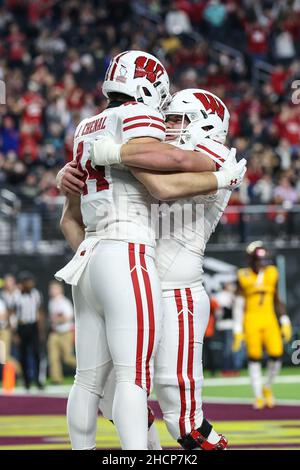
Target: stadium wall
x=220, y=266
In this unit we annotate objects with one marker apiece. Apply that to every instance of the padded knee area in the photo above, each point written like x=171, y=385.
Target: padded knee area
x=92, y=380
x=127, y=374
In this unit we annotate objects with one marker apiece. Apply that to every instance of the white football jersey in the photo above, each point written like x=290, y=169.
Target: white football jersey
x=180, y=254
x=114, y=205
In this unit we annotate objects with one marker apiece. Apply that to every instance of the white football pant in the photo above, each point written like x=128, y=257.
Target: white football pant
x=178, y=362
x=178, y=372
x=118, y=323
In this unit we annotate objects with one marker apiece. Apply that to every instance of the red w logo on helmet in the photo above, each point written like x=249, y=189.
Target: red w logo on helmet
x=211, y=104
x=148, y=68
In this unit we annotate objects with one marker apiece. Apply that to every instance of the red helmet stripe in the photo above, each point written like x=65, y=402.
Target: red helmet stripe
x=114, y=66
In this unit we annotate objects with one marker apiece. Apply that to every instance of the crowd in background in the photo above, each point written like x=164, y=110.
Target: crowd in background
x=53, y=57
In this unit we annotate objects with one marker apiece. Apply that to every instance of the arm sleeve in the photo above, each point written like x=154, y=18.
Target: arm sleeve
x=139, y=120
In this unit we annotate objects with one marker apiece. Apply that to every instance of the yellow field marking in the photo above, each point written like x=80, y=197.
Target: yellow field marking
x=54, y=428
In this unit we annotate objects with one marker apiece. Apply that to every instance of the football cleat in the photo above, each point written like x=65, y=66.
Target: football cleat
x=259, y=403
x=269, y=397
x=205, y=445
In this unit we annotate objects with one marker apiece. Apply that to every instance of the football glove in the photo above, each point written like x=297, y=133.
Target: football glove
x=238, y=339
x=231, y=177
x=286, y=328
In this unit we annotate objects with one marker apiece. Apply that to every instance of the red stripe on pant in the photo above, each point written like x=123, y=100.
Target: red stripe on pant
x=191, y=356
x=180, y=378
x=148, y=290
x=140, y=315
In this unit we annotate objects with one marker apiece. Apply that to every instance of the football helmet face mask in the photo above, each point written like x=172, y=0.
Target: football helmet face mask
x=202, y=114
x=140, y=75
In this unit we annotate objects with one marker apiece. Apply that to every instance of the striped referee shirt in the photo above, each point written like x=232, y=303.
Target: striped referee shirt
x=27, y=306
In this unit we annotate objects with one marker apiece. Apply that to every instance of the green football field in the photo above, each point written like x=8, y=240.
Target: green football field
x=290, y=391
x=286, y=387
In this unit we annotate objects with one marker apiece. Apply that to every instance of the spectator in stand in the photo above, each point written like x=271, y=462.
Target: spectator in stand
x=177, y=21
x=284, y=193
x=215, y=16
x=284, y=151
x=263, y=189
x=284, y=46
x=29, y=217
x=288, y=125
x=57, y=55
x=9, y=136
x=61, y=337
x=258, y=37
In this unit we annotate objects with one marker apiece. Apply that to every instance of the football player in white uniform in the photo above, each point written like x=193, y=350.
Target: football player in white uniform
x=178, y=363
x=116, y=288
x=195, y=118
x=167, y=160
x=116, y=292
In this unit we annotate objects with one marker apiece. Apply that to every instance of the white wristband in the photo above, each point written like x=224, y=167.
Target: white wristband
x=222, y=178
x=105, y=152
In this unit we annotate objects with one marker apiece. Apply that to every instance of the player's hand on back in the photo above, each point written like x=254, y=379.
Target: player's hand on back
x=286, y=328
x=69, y=179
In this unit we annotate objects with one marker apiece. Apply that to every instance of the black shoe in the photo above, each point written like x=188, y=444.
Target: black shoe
x=40, y=386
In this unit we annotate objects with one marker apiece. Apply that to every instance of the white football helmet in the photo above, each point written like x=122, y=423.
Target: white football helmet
x=140, y=75
x=207, y=115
